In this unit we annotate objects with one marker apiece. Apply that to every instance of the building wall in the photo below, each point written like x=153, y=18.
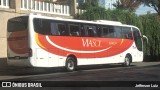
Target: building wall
x=107, y=4
x=4, y=16
x=13, y=11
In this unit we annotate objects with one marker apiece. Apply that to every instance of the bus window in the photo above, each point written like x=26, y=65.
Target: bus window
x=111, y=32
x=108, y=32
x=62, y=29
x=137, y=39
x=118, y=32
x=17, y=24
x=82, y=30
x=74, y=30
x=54, y=29
x=105, y=32
x=127, y=33
x=42, y=26
x=91, y=31
x=99, y=31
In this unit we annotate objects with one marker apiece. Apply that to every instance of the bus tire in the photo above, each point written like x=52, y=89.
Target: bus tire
x=127, y=61
x=70, y=64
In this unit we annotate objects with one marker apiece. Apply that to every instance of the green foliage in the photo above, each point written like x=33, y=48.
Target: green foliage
x=130, y=5
x=148, y=24
x=151, y=28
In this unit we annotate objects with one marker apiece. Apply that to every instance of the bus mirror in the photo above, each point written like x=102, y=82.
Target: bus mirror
x=145, y=38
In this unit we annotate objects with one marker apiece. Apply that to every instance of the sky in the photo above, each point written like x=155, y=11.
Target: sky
x=144, y=9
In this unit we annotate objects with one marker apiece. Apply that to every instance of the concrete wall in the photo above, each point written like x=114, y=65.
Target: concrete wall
x=13, y=11
x=4, y=16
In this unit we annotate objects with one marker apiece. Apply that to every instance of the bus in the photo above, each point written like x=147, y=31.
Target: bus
x=41, y=41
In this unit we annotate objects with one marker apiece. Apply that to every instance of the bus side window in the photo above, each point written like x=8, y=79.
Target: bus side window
x=127, y=33
x=111, y=32
x=74, y=30
x=108, y=32
x=99, y=31
x=105, y=32
x=62, y=29
x=118, y=32
x=54, y=29
x=91, y=31
x=42, y=26
x=82, y=30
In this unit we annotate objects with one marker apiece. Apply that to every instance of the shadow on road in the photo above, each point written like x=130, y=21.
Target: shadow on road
x=25, y=71
x=105, y=66
x=6, y=70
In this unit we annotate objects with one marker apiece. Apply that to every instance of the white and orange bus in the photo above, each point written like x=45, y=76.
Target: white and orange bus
x=40, y=41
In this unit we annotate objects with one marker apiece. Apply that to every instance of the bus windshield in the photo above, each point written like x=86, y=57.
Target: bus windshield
x=138, y=39
x=17, y=24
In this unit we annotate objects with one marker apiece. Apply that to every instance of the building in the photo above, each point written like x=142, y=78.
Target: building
x=107, y=4
x=13, y=8
x=79, y=2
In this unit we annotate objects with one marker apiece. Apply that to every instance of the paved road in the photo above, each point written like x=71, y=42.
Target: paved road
x=145, y=71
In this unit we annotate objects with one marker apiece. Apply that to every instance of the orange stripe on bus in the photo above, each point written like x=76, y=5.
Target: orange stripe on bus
x=38, y=42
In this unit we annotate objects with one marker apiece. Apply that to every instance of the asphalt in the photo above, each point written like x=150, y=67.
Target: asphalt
x=3, y=63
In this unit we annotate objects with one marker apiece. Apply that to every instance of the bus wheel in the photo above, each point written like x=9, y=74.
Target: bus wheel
x=70, y=64
x=127, y=61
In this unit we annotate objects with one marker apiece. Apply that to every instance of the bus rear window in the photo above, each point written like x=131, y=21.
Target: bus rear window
x=17, y=24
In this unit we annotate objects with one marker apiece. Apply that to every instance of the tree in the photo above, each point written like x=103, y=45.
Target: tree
x=148, y=24
x=154, y=4
x=130, y=5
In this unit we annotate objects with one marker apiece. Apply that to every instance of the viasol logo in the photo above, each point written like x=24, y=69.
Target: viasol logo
x=91, y=43
x=6, y=84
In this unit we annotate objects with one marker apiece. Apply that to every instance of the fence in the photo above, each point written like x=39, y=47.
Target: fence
x=45, y=7
x=4, y=3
